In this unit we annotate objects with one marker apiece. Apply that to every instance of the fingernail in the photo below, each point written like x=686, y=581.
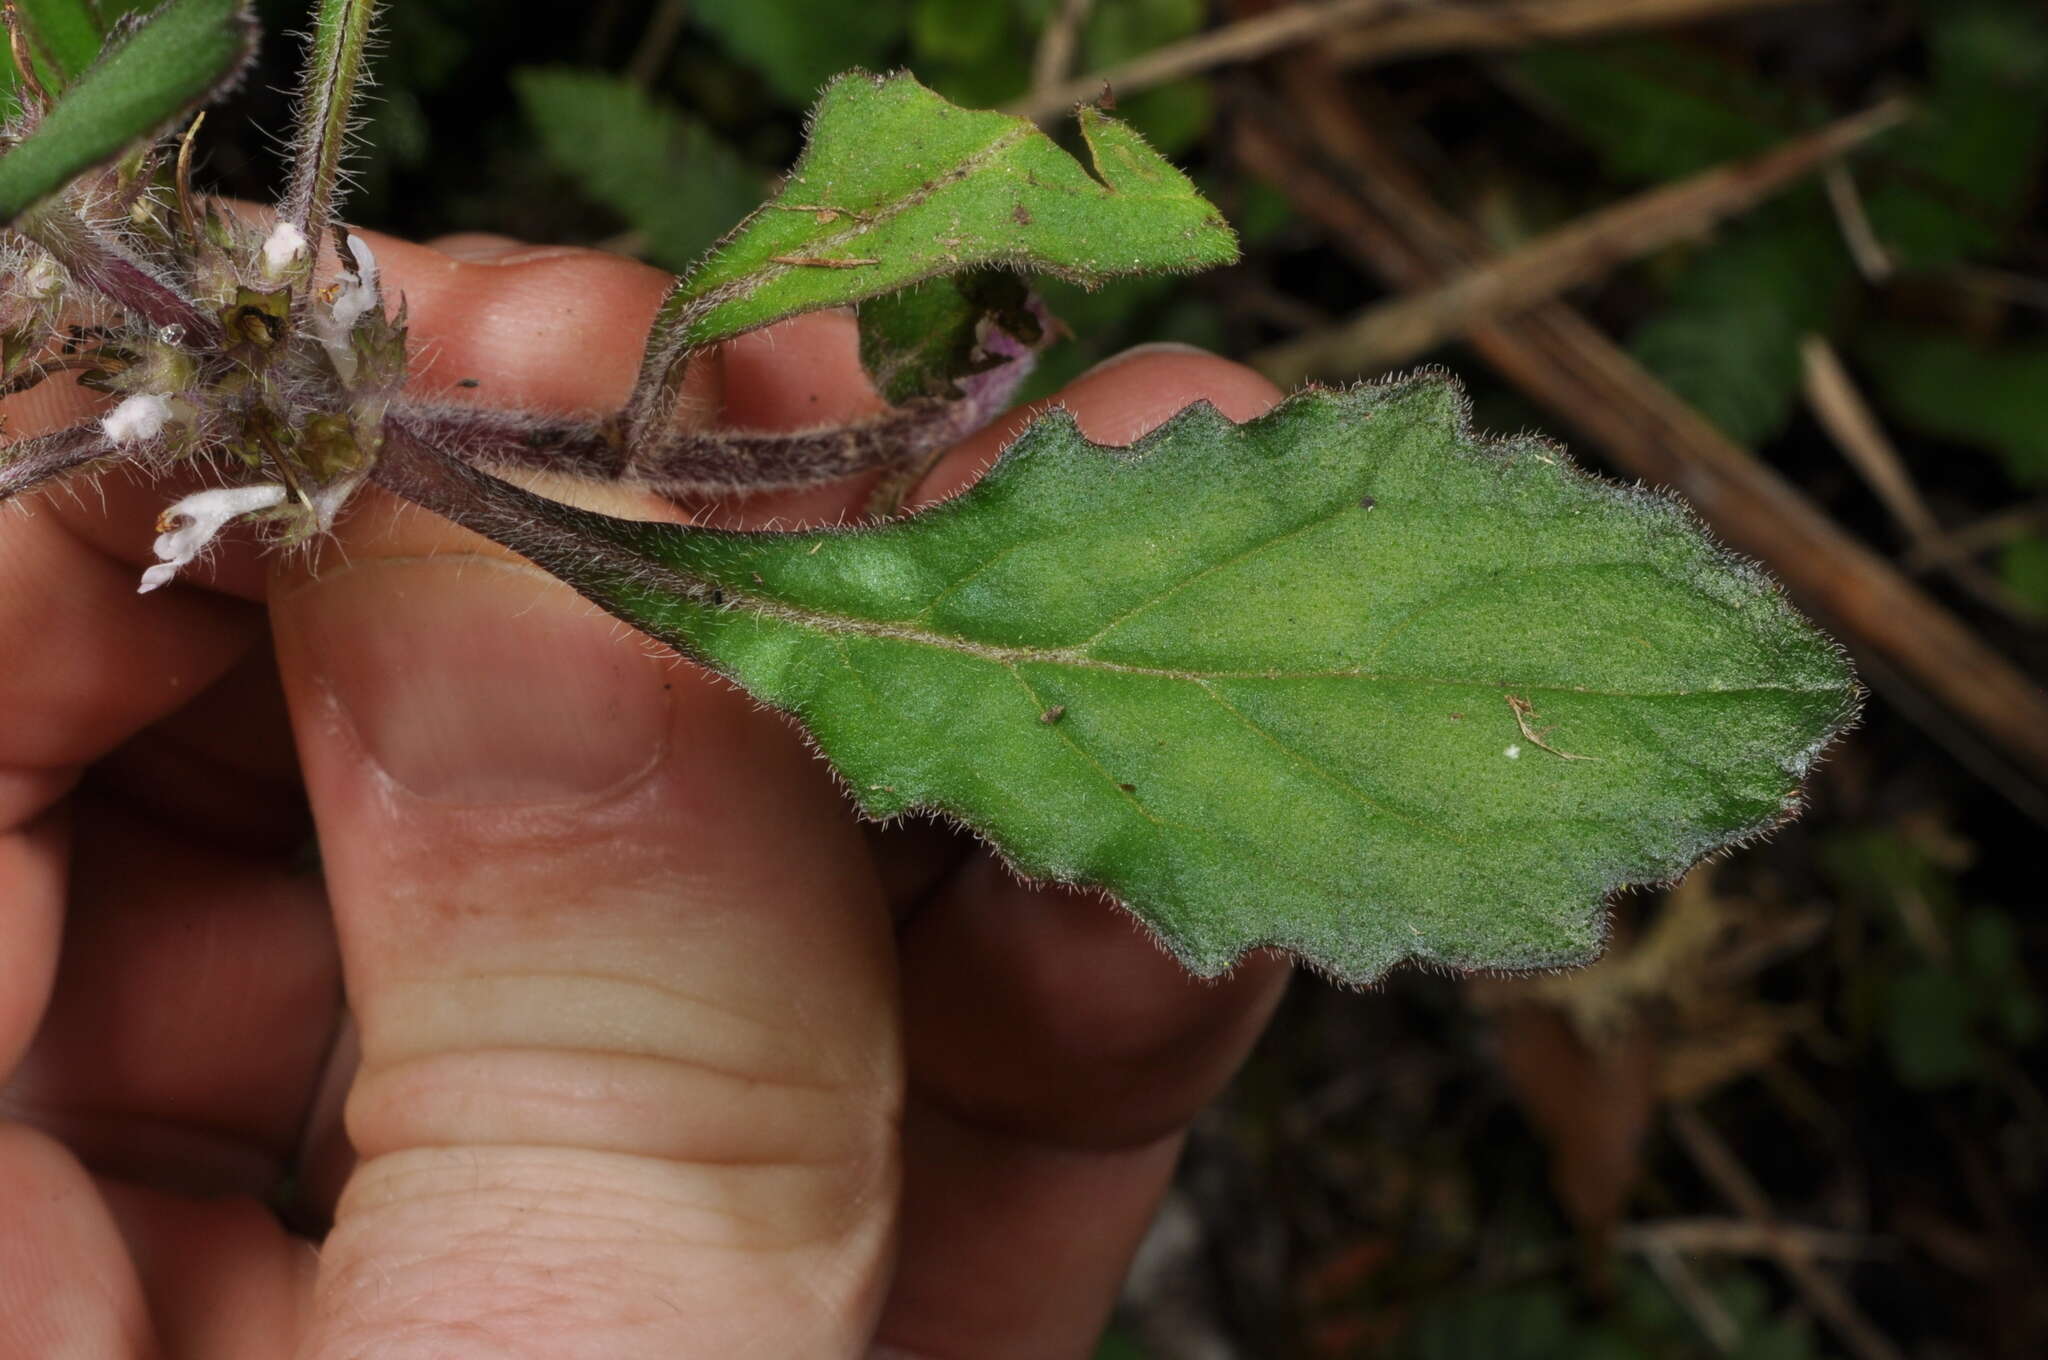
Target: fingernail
x=477, y=682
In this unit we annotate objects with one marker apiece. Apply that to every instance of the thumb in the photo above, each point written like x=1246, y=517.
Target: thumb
x=622, y=975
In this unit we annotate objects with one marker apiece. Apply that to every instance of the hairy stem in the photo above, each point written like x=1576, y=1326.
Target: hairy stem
x=334, y=71
x=99, y=263
x=591, y=552
x=28, y=464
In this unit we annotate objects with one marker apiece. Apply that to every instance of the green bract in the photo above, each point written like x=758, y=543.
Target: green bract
x=1340, y=680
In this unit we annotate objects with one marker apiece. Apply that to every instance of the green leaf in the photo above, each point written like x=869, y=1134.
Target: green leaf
x=1956, y=181
x=1655, y=110
x=665, y=173
x=799, y=44
x=1339, y=680
x=1728, y=338
x=1943, y=385
x=176, y=59
x=918, y=342
x=2023, y=565
x=65, y=32
x=897, y=185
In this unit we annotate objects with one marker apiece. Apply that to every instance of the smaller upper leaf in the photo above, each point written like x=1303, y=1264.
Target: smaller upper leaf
x=897, y=185
x=172, y=61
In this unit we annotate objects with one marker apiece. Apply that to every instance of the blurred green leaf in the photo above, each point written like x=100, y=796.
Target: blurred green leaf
x=1954, y=183
x=179, y=57
x=964, y=31
x=665, y=173
x=1728, y=338
x=1117, y=1346
x=2024, y=565
x=1945, y=386
x=799, y=45
x=1930, y=1024
x=1657, y=111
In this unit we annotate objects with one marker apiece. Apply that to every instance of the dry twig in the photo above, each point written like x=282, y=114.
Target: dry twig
x=1395, y=332
x=1719, y=1164
x=1245, y=40
x=1372, y=30
x=1744, y=1237
x=1516, y=23
x=1873, y=261
x=1854, y=428
x=1056, y=46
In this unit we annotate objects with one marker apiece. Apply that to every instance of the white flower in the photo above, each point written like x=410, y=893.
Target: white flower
x=192, y=523
x=353, y=296
x=284, y=251
x=140, y=417
x=359, y=289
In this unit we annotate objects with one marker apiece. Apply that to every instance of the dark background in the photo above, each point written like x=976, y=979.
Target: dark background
x=1798, y=1113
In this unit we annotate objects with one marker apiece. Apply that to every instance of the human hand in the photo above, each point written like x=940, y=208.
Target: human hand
x=649, y=1049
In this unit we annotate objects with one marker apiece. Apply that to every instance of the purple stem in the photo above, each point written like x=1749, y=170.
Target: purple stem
x=28, y=464
x=685, y=461
x=101, y=265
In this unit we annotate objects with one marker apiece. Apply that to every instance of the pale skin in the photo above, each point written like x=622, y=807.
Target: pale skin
x=649, y=1048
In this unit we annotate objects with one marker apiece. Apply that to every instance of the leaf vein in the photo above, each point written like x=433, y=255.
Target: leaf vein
x=1330, y=777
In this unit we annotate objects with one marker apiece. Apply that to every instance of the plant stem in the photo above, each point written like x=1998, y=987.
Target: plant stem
x=98, y=263
x=334, y=70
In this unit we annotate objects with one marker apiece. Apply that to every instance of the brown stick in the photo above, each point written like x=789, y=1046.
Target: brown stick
x=1245, y=40
x=1371, y=30
x=1516, y=23
x=1057, y=45
x=1719, y=1164
x=1395, y=332
x=1377, y=208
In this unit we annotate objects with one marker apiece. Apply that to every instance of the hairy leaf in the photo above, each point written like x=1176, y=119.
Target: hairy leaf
x=897, y=185
x=174, y=60
x=65, y=34
x=1339, y=680
x=666, y=174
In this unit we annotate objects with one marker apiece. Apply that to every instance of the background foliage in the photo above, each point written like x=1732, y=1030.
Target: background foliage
x=1843, y=1025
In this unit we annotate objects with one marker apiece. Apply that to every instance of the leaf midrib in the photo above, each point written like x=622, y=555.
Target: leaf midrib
x=845, y=625
x=865, y=221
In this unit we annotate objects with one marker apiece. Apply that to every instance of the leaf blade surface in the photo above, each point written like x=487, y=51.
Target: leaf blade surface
x=1340, y=680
